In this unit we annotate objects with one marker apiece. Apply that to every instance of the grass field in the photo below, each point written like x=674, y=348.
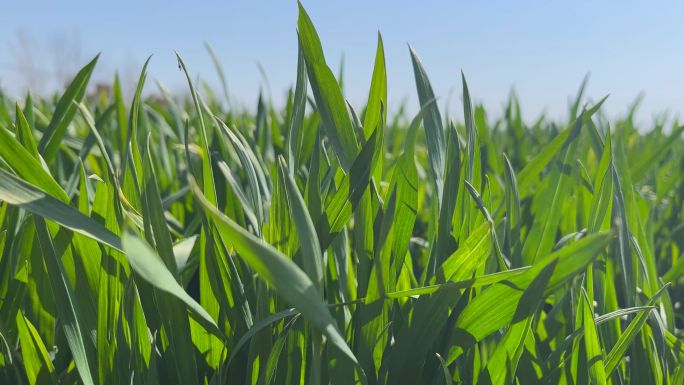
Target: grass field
x=179, y=241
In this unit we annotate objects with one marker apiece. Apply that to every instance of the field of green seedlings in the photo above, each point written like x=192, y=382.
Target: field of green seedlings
x=175, y=240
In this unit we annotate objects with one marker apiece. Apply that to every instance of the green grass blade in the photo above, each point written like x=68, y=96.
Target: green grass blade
x=308, y=240
x=528, y=176
x=299, y=108
x=327, y=93
x=592, y=343
x=37, y=364
x=64, y=112
x=30, y=198
x=434, y=129
x=78, y=339
x=27, y=166
x=495, y=307
x=620, y=348
x=151, y=268
x=376, y=108
x=279, y=271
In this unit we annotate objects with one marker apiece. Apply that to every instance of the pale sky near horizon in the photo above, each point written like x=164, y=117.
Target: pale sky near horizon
x=541, y=48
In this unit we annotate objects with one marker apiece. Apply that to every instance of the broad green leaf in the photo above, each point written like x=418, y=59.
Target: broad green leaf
x=592, y=343
x=603, y=192
x=78, y=339
x=327, y=92
x=30, y=198
x=502, y=364
x=513, y=215
x=308, y=240
x=27, y=167
x=376, y=108
x=37, y=363
x=533, y=296
x=495, y=307
x=431, y=313
x=542, y=235
x=151, y=268
x=434, y=130
x=153, y=214
x=338, y=210
x=479, y=281
x=25, y=129
x=620, y=348
x=64, y=112
x=277, y=270
x=445, y=241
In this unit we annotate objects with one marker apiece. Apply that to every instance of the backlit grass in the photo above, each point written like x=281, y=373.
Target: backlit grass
x=178, y=241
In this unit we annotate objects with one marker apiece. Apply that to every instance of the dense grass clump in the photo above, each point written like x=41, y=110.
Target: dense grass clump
x=184, y=242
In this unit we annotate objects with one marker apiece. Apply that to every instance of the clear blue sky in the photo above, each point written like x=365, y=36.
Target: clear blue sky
x=541, y=48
